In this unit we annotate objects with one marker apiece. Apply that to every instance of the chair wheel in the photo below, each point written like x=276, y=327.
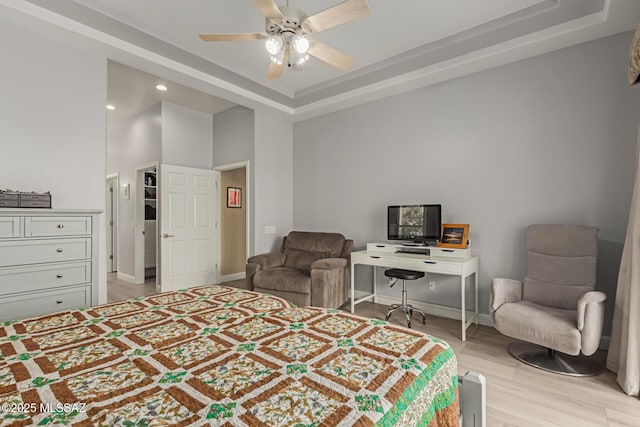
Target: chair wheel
x=386, y=318
x=409, y=325
x=424, y=320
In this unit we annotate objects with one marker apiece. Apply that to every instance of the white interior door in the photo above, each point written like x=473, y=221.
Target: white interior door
x=188, y=227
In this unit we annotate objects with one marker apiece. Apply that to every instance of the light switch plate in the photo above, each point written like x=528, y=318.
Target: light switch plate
x=269, y=229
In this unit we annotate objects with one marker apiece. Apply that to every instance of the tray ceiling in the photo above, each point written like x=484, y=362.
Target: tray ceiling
x=399, y=46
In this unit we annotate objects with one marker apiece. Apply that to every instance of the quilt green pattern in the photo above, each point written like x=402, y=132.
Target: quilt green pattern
x=224, y=357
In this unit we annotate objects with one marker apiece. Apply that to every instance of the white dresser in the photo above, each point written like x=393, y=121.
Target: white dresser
x=48, y=261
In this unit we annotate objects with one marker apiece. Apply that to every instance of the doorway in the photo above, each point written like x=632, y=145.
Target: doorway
x=146, y=224
x=234, y=220
x=112, y=222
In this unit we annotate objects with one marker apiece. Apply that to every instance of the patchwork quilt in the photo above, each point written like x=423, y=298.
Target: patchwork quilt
x=224, y=357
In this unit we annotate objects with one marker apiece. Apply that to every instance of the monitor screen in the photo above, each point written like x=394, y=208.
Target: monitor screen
x=418, y=223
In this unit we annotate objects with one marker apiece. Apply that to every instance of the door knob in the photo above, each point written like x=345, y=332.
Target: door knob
x=166, y=236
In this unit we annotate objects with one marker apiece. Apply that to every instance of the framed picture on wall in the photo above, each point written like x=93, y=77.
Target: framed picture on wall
x=454, y=236
x=234, y=197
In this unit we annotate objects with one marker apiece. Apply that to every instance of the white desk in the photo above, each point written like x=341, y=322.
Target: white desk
x=462, y=267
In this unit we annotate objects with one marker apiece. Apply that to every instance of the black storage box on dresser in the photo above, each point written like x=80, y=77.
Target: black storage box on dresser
x=34, y=200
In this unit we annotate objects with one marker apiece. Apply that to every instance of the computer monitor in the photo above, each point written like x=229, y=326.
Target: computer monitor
x=415, y=223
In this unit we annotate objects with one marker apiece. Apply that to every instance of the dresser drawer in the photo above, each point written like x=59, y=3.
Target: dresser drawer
x=10, y=227
x=40, y=251
x=39, y=277
x=30, y=304
x=57, y=226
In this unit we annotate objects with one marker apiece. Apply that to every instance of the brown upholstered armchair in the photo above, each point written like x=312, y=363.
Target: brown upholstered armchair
x=310, y=269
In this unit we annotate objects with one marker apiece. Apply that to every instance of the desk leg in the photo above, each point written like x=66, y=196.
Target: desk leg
x=464, y=308
x=353, y=281
x=375, y=284
x=476, y=284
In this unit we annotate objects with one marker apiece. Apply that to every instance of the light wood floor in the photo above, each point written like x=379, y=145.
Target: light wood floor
x=517, y=395
x=118, y=290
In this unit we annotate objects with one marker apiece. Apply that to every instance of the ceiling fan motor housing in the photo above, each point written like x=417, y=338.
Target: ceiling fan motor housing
x=290, y=25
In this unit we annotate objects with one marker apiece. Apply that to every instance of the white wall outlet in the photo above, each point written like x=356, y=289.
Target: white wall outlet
x=269, y=229
x=432, y=285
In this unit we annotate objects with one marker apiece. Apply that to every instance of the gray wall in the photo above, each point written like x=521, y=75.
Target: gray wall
x=273, y=179
x=52, y=118
x=186, y=136
x=265, y=139
x=233, y=142
x=550, y=139
x=136, y=142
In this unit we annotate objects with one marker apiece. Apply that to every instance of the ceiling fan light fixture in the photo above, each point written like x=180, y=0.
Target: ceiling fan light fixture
x=302, y=60
x=274, y=44
x=301, y=44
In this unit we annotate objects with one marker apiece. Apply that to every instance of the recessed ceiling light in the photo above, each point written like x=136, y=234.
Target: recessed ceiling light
x=161, y=87
x=110, y=107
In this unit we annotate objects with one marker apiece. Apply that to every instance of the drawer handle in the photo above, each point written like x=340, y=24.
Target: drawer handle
x=60, y=225
x=448, y=250
x=430, y=262
x=59, y=276
x=59, y=301
x=59, y=249
x=374, y=257
x=380, y=246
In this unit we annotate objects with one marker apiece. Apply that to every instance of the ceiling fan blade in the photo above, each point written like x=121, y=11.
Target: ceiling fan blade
x=268, y=8
x=275, y=70
x=331, y=56
x=231, y=37
x=339, y=14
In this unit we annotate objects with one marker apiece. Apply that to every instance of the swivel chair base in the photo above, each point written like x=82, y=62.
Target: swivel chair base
x=553, y=361
x=408, y=311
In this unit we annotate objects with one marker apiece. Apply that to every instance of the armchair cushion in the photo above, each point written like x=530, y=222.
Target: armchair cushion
x=303, y=248
x=546, y=326
x=283, y=279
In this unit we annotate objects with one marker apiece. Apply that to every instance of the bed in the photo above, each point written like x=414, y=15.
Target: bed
x=222, y=356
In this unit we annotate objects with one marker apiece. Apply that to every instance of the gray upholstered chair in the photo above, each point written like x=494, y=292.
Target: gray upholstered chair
x=310, y=269
x=555, y=306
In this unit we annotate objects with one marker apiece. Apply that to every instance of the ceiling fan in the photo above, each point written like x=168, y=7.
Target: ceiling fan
x=287, y=30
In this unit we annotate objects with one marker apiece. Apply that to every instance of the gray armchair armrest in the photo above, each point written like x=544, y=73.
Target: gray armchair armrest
x=504, y=291
x=590, y=320
x=329, y=263
x=268, y=260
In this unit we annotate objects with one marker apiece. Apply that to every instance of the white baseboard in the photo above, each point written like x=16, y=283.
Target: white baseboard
x=232, y=277
x=436, y=310
x=126, y=278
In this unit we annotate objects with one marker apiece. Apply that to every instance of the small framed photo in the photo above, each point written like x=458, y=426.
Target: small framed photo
x=454, y=236
x=234, y=197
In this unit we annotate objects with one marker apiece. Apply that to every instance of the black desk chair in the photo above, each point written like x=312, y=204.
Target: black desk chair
x=395, y=274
